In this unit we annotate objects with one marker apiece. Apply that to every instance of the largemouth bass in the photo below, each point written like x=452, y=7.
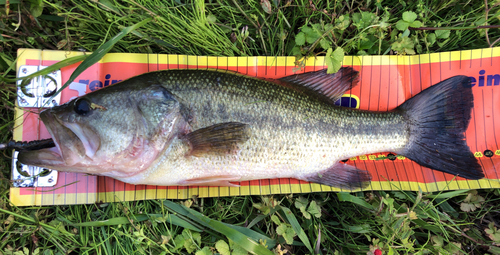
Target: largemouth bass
x=207, y=127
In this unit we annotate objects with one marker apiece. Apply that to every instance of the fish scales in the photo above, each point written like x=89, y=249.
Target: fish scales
x=293, y=133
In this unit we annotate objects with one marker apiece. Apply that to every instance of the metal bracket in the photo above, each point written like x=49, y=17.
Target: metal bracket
x=39, y=90
x=36, y=93
x=31, y=176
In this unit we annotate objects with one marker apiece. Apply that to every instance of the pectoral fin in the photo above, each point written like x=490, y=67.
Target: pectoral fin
x=218, y=139
x=220, y=180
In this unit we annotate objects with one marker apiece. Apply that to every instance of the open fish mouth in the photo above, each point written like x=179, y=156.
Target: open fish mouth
x=71, y=143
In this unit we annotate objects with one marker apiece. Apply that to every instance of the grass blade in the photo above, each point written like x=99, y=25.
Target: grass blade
x=428, y=226
x=296, y=227
x=173, y=219
x=445, y=195
x=245, y=237
x=346, y=197
x=194, y=215
x=107, y=245
x=99, y=53
x=238, y=237
x=111, y=222
x=252, y=234
x=49, y=69
x=5, y=62
x=256, y=220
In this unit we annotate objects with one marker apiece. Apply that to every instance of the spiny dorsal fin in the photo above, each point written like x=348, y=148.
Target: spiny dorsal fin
x=218, y=139
x=332, y=86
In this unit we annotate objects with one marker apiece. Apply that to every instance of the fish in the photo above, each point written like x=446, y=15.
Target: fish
x=218, y=128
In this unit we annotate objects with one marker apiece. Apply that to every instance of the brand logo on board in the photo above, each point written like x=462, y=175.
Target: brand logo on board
x=97, y=84
x=485, y=79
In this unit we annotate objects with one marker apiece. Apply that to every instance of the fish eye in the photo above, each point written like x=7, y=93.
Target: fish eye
x=82, y=106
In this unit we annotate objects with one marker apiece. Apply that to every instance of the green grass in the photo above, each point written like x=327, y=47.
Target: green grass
x=394, y=222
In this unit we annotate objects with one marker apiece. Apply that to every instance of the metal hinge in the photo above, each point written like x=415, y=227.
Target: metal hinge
x=37, y=93
x=39, y=90
x=31, y=176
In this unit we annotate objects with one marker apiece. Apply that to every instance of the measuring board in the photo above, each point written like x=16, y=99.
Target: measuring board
x=385, y=83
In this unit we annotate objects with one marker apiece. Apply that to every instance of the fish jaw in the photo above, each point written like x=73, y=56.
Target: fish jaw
x=72, y=145
x=77, y=150
x=46, y=158
x=69, y=149
x=74, y=142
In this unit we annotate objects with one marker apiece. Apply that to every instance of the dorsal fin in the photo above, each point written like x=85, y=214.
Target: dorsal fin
x=333, y=86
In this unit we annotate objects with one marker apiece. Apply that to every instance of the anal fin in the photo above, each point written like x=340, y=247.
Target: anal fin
x=219, y=180
x=342, y=176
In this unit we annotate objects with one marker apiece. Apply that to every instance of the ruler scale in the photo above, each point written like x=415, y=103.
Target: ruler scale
x=385, y=83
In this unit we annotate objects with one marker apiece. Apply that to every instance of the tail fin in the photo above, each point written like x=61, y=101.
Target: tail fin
x=438, y=118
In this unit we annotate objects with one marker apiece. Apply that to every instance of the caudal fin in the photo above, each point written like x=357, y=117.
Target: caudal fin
x=437, y=120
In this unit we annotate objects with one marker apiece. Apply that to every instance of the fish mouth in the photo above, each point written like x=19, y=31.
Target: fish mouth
x=73, y=144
